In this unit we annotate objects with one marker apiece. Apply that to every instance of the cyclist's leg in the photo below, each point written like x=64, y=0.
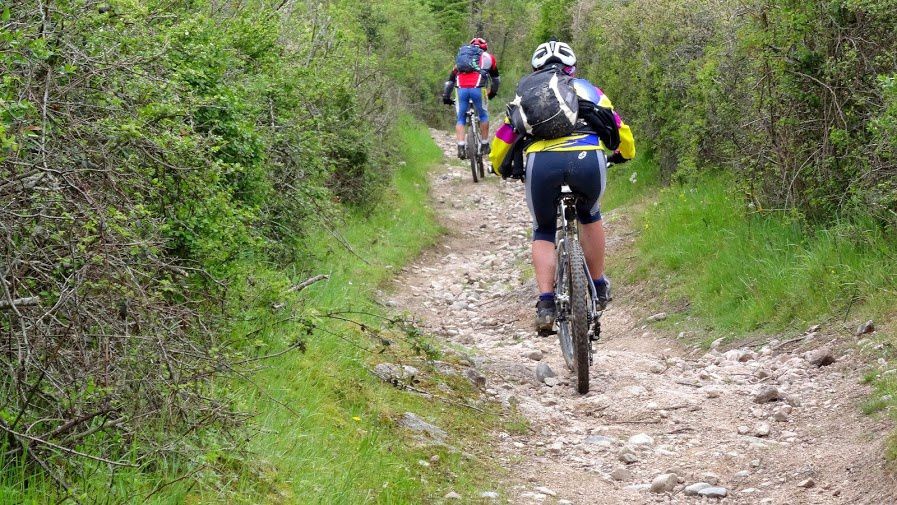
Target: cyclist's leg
x=462, y=106
x=477, y=96
x=588, y=177
x=544, y=176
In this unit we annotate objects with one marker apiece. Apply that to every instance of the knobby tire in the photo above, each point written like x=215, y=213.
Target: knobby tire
x=579, y=314
x=472, y=153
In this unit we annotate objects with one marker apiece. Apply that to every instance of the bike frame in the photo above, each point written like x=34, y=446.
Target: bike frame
x=568, y=228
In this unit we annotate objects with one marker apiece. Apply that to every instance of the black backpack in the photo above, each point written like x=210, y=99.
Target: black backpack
x=468, y=58
x=545, y=105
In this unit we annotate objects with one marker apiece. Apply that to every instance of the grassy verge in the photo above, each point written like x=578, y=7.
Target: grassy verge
x=324, y=429
x=743, y=271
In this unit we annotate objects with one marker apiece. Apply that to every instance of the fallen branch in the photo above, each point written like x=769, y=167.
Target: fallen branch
x=308, y=282
x=51, y=445
x=20, y=302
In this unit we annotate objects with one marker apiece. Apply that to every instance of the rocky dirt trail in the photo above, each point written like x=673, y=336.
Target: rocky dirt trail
x=775, y=423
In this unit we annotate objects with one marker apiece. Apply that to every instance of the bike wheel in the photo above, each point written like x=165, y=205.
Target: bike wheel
x=481, y=167
x=579, y=315
x=472, y=153
x=562, y=294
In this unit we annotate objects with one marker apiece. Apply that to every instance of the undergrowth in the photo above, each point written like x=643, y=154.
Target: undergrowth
x=322, y=427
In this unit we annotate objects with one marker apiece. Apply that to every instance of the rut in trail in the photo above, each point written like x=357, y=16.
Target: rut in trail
x=656, y=407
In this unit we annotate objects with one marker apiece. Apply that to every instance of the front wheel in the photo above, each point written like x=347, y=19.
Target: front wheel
x=579, y=315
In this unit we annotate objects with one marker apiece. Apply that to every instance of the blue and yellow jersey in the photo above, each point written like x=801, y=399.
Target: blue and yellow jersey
x=585, y=142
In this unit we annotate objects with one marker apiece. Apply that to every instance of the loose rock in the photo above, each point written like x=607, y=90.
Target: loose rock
x=766, y=394
x=867, y=327
x=489, y=495
x=535, y=355
x=695, y=488
x=621, y=473
x=543, y=371
x=806, y=483
x=451, y=495
x=664, y=483
x=713, y=492
x=660, y=316
x=475, y=378
x=546, y=491
x=820, y=357
x=641, y=439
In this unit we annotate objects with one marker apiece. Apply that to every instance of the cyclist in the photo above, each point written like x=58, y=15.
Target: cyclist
x=470, y=86
x=577, y=160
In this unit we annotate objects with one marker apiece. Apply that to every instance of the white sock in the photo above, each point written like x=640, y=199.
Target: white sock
x=462, y=143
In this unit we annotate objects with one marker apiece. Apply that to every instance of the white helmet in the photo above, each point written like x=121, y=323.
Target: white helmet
x=553, y=52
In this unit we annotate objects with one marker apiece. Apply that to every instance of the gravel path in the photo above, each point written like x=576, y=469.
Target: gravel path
x=762, y=425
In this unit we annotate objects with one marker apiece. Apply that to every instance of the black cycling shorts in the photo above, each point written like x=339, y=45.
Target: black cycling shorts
x=546, y=171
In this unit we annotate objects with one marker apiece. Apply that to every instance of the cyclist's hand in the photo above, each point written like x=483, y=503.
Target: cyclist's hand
x=616, y=158
x=448, y=100
x=491, y=94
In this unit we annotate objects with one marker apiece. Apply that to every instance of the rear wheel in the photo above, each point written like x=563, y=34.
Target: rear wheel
x=579, y=315
x=472, y=153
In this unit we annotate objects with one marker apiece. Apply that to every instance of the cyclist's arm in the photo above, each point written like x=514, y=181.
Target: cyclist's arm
x=626, y=149
x=449, y=86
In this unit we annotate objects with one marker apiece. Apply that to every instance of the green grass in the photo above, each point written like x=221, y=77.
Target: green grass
x=743, y=271
x=631, y=182
x=324, y=428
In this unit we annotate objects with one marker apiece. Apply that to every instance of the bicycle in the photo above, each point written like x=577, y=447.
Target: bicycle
x=578, y=316
x=473, y=143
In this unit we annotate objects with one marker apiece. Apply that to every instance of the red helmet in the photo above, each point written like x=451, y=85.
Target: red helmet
x=480, y=42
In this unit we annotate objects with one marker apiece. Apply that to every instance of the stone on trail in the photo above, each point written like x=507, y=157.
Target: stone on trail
x=766, y=394
x=713, y=392
x=660, y=316
x=475, y=378
x=867, y=327
x=664, y=483
x=820, y=357
x=806, y=483
x=627, y=456
x=552, y=381
x=641, y=439
x=543, y=371
x=599, y=440
x=743, y=430
x=695, y=488
x=546, y=491
x=710, y=477
x=762, y=430
x=739, y=355
x=535, y=355
x=451, y=495
x=489, y=495
x=716, y=343
x=713, y=492
x=621, y=473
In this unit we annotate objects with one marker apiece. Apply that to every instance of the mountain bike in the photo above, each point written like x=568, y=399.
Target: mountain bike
x=578, y=316
x=477, y=167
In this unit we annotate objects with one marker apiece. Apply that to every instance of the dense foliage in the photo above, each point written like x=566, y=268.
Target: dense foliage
x=162, y=165
x=796, y=98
